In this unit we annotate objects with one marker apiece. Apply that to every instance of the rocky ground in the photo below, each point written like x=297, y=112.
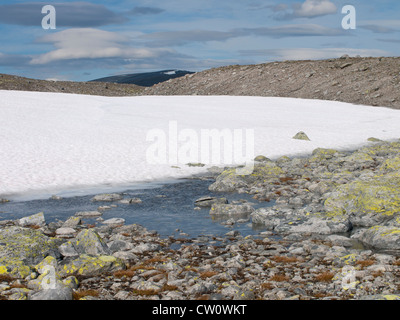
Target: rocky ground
x=10, y=82
x=367, y=81
x=333, y=232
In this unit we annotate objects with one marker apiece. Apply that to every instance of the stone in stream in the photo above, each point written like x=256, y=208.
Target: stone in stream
x=231, y=209
x=209, y=201
x=107, y=197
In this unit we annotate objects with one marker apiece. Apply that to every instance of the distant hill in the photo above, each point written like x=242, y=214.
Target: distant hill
x=366, y=81
x=147, y=79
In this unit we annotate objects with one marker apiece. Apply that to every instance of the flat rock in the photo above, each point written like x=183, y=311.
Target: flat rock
x=114, y=222
x=65, y=232
x=205, y=202
x=88, y=214
x=107, y=197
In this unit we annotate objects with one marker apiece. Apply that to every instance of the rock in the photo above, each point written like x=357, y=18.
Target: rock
x=34, y=220
x=90, y=266
x=316, y=225
x=109, y=197
x=89, y=242
x=120, y=245
x=145, y=247
x=385, y=239
x=367, y=203
x=321, y=154
x=65, y=232
x=261, y=159
x=196, y=165
x=131, y=201
x=209, y=201
x=381, y=297
x=72, y=222
x=64, y=293
x=22, y=248
x=340, y=240
x=229, y=180
x=88, y=214
x=231, y=209
x=68, y=250
x=114, y=222
x=301, y=136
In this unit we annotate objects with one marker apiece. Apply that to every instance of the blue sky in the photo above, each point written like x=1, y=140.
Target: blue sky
x=94, y=39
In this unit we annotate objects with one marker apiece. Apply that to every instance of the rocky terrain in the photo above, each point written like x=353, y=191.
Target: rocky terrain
x=368, y=81
x=332, y=233
x=10, y=82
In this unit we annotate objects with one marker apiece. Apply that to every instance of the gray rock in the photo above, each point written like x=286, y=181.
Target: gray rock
x=88, y=214
x=72, y=222
x=315, y=225
x=90, y=266
x=23, y=247
x=146, y=247
x=301, y=136
x=385, y=239
x=34, y=220
x=89, y=242
x=65, y=232
x=114, y=222
x=68, y=250
x=231, y=209
x=209, y=201
x=108, y=197
x=131, y=201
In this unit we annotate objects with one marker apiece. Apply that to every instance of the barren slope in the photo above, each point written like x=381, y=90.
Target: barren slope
x=10, y=82
x=369, y=81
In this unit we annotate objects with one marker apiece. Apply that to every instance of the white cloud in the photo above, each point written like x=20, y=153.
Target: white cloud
x=88, y=43
x=314, y=8
x=307, y=9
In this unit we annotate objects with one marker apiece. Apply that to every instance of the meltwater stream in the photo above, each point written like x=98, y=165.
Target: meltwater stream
x=168, y=209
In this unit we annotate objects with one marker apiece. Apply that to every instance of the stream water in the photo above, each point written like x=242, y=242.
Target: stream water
x=166, y=208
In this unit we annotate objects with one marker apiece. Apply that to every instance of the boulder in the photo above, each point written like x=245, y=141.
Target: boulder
x=301, y=136
x=89, y=242
x=367, y=203
x=22, y=248
x=33, y=220
x=229, y=180
x=72, y=222
x=59, y=294
x=90, y=266
x=381, y=238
